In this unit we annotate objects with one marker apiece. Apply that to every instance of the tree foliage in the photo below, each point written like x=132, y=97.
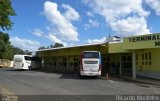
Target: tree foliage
x=6, y=10
x=27, y=52
x=52, y=46
x=4, y=38
x=17, y=50
x=57, y=45
x=6, y=50
x=40, y=48
x=2, y=44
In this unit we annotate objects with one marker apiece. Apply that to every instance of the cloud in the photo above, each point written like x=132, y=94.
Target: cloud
x=37, y=32
x=25, y=44
x=154, y=4
x=48, y=28
x=87, y=26
x=91, y=23
x=131, y=24
x=90, y=14
x=53, y=38
x=70, y=13
x=96, y=40
x=122, y=15
x=94, y=23
x=61, y=24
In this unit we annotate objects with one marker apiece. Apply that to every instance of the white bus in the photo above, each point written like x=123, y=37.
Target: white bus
x=90, y=63
x=26, y=62
x=22, y=61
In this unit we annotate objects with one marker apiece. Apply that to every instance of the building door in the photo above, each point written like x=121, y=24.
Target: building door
x=126, y=64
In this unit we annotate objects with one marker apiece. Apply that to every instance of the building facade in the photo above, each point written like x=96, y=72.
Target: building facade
x=137, y=55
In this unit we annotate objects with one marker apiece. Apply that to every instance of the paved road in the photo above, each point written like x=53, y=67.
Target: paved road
x=40, y=83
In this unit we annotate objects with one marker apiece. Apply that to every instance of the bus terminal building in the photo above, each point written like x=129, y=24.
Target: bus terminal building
x=135, y=55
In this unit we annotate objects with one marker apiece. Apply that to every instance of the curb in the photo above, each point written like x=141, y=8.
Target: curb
x=138, y=81
x=133, y=80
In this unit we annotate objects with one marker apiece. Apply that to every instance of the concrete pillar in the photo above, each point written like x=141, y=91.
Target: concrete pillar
x=133, y=64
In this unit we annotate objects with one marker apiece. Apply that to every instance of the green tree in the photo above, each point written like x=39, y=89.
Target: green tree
x=4, y=43
x=40, y=48
x=57, y=45
x=27, y=52
x=4, y=37
x=51, y=46
x=6, y=10
x=17, y=50
x=37, y=53
x=8, y=53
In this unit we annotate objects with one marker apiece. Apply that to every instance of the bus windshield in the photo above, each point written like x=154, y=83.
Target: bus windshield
x=91, y=55
x=18, y=60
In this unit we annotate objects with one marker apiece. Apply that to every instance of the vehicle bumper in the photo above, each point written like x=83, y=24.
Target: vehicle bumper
x=20, y=68
x=83, y=73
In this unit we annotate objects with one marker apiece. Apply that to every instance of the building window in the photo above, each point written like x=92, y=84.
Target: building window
x=150, y=63
x=129, y=58
x=142, y=56
x=75, y=59
x=55, y=64
x=150, y=55
x=142, y=63
x=108, y=58
x=71, y=64
x=137, y=57
x=64, y=59
x=104, y=58
x=75, y=64
x=146, y=56
x=61, y=63
x=64, y=64
x=124, y=58
x=146, y=63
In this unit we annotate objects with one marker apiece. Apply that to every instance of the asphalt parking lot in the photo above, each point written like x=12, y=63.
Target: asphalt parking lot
x=36, y=83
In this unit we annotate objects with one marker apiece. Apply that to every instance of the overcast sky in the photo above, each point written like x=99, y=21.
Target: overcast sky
x=76, y=22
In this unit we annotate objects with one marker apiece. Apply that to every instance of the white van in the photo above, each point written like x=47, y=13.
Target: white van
x=22, y=61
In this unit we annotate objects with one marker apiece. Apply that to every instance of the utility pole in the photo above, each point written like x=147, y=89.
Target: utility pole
x=109, y=28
